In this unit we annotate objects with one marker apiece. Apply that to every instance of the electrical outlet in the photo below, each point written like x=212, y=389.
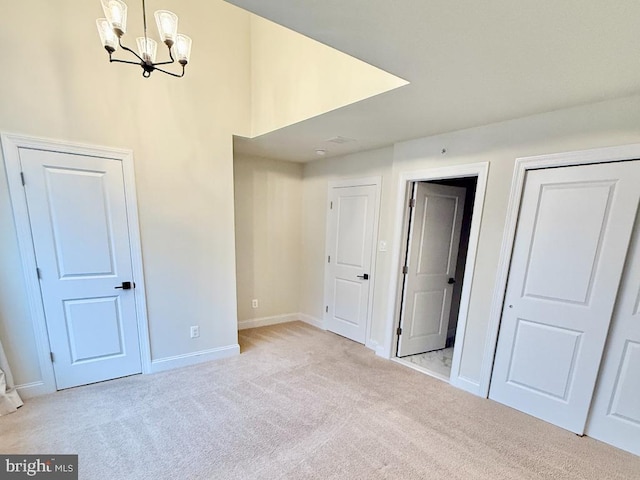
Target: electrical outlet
x=195, y=331
x=254, y=303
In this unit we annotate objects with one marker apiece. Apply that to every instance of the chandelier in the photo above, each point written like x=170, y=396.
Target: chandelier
x=112, y=28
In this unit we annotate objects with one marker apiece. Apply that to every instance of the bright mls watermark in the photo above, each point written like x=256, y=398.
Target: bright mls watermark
x=52, y=467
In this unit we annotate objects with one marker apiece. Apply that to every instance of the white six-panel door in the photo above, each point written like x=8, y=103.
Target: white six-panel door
x=350, y=250
x=615, y=412
x=573, y=232
x=434, y=239
x=78, y=220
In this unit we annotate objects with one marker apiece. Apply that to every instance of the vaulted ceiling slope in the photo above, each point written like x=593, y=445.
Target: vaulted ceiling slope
x=294, y=77
x=469, y=63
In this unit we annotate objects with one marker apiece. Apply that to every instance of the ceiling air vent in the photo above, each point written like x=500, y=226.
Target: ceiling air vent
x=340, y=139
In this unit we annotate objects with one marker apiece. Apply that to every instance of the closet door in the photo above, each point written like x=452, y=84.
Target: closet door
x=615, y=413
x=573, y=232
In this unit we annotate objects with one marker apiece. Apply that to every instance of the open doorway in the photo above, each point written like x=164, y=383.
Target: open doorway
x=436, y=234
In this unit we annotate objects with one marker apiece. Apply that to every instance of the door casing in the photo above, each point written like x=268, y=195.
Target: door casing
x=481, y=171
x=567, y=159
x=416, y=232
x=11, y=145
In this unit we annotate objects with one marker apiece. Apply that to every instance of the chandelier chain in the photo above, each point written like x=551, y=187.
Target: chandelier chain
x=144, y=20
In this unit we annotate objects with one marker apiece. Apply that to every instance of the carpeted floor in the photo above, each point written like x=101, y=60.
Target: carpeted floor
x=300, y=403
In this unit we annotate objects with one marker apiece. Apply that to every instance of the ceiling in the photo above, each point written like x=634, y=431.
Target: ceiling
x=469, y=63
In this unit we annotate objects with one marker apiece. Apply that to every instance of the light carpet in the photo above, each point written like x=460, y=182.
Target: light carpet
x=300, y=403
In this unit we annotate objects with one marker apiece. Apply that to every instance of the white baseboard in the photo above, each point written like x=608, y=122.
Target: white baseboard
x=316, y=322
x=187, y=359
x=264, y=321
x=466, y=384
x=289, y=317
x=378, y=349
x=381, y=351
x=34, y=389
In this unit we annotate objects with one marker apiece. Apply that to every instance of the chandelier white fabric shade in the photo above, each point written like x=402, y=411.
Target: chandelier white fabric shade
x=116, y=13
x=182, y=48
x=107, y=36
x=114, y=25
x=167, y=25
x=147, y=48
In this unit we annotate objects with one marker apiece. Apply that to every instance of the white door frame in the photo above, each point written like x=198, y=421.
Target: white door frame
x=355, y=182
x=11, y=143
x=481, y=171
x=565, y=159
x=416, y=235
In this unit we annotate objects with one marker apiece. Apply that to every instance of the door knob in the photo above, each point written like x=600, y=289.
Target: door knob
x=364, y=277
x=126, y=285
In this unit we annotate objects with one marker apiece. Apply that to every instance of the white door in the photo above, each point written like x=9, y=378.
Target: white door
x=615, y=412
x=572, y=237
x=80, y=234
x=432, y=254
x=352, y=217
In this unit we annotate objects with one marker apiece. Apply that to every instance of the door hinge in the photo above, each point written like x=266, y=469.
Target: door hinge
x=38, y=273
x=399, y=331
x=329, y=259
x=326, y=309
x=22, y=178
x=412, y=203
x=405, y=270
x=51, y=355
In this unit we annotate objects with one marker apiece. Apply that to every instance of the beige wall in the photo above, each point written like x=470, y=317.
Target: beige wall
x=597, y=125
x=268, y=196
x=57, y=82
x=295, y=77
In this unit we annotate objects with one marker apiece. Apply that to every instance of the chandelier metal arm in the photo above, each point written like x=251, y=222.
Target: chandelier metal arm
x=171, y=73
x=166, y=63
x=115, y=60
x=129, y=50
